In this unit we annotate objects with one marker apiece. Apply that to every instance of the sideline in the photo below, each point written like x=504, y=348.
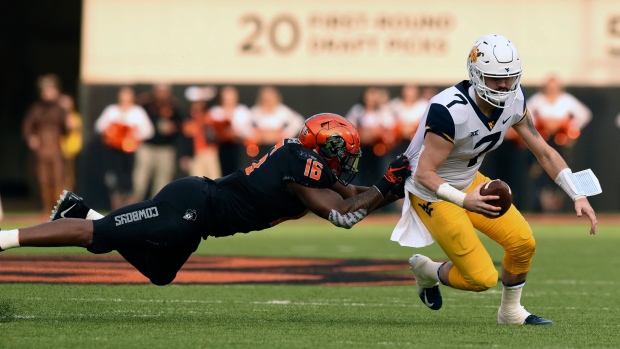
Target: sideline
x=113, y=269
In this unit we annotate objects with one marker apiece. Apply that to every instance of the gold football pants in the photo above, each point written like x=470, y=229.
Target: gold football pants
x=454, y=227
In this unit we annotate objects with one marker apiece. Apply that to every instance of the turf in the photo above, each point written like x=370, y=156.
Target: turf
x=573, y=281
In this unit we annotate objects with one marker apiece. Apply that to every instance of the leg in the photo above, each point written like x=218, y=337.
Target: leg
x=153, y=235
x=454, y=232
x=514, y=234
x=160, y=266
x=65, y=232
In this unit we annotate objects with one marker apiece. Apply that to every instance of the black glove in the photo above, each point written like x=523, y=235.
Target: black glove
x=399, y=189
x=396, y=174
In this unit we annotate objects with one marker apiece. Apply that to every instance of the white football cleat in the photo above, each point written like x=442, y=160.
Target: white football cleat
x=428, y=287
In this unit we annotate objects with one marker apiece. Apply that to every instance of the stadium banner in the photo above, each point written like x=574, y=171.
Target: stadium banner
x=344, y=42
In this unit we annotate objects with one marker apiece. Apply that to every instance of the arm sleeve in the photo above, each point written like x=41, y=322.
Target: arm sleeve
x=440, y=122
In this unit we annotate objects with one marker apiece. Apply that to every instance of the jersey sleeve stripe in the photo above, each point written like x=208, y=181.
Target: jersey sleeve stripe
x=440, y=134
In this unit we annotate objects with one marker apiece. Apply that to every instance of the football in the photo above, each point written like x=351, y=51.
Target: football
x=501, y=189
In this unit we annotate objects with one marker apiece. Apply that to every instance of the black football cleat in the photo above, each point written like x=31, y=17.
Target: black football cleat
x=537, y=320
x=431, y=297
x=69, y=206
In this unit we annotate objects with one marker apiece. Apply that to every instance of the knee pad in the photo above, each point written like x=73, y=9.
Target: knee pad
x=483, y=281
x=477, y=282
x=519, y=257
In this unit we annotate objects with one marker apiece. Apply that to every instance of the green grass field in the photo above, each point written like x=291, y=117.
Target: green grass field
x=574, y=281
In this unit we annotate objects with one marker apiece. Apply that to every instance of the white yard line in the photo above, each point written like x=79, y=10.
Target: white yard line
x=283, y=302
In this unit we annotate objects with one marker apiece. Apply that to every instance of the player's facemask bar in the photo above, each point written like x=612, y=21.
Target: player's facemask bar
x=497, y=98
x=335, y=149
x=348, y=168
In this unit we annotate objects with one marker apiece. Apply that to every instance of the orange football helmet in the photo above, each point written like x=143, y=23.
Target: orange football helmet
x=336, y=140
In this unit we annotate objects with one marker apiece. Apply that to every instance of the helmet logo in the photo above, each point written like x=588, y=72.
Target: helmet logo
x=473, y=55
x=334, y=146
x=507, y=69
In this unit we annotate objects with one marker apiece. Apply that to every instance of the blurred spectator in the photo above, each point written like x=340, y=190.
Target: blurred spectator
x=559, y=118
x=408, y=109
x=71, y=143
x=429, y=92
x=375, y=125
x=270, y=121
x=44, y=125
x=383, y=96
x=205, y=161
x=229, y=119
x=156, y=158
x=558, y=115
x=123, y=127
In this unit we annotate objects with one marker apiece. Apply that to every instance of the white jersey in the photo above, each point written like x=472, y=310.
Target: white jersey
x=454, y=116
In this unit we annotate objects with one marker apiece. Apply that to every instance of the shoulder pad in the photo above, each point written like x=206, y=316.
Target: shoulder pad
x=456, y=104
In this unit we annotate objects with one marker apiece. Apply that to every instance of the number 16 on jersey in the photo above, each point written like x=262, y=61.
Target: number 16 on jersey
x=313, y=169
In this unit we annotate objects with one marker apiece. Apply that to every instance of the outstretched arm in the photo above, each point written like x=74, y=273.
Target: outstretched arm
x=344, y=206
x=350, y=190
x=322, y=201
x=552, y=162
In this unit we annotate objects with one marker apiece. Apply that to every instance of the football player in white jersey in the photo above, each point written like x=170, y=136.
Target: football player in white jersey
x=462, y=124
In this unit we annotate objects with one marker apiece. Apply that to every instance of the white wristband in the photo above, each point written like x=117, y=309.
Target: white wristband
x=567, y=181
x=449, y=193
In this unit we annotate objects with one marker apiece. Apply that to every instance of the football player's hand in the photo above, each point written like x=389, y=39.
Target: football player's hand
x=399, y=170
x=582, y=206
x=396, y=173
x=475, y=202
x=399, y=190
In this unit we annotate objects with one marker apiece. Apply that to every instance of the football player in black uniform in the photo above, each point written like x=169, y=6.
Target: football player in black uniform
x=311, y=172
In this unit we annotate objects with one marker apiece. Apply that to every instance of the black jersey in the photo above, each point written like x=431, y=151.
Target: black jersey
x=257, y=197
